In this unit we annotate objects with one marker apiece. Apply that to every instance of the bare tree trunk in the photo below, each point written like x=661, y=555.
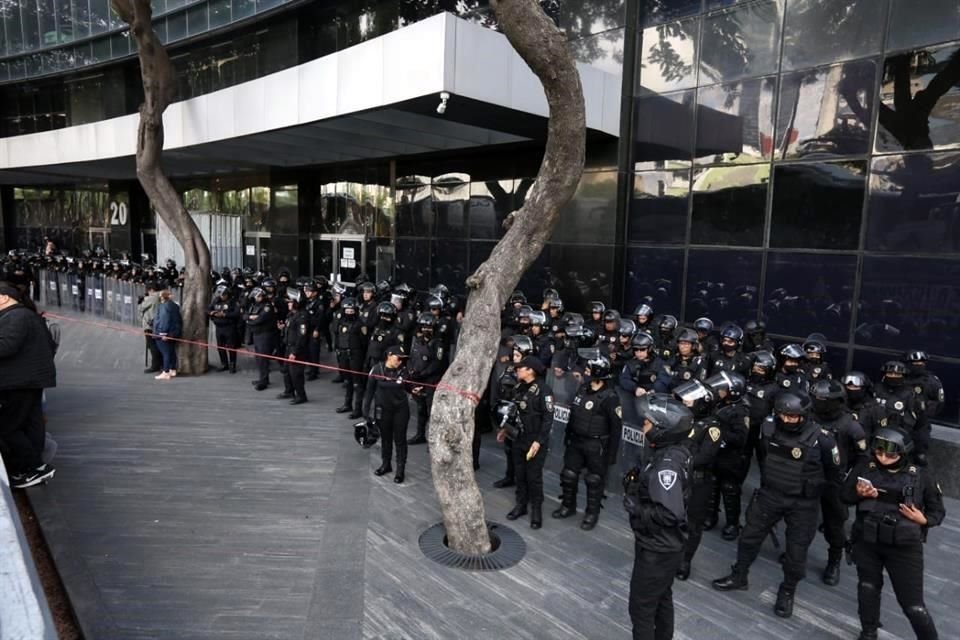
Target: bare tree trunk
x=545, y=50
x=158, y=90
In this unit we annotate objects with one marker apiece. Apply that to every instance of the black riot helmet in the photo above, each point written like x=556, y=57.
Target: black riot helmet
x=733, y=333
x=791, y=404
x=755, y=329
x=814, y=347
x=916, y=361
x=222, y=291
x=790, y=356
x=859, y=387
x=349, y=306
x=696, y=396
x=828, y=398
x=731, y=384
x=366, y=433
x=523, y=344
x=642, y=340
x=434, y=303
x=688, y=335
x=310, y=286
x=643, y=311
x=426, y=321
x=611, y=315
x=269, y=284
x=671, y=422
x=258, y=292
x=404, y=290
x=598, y=365
x=627, y=328
x=517, y=297
x=893, y=372
x=538, y=319
x=586, y=337
x=441, y=291
x=295, y=296
x=764, y=365
x=383, y=288
x=703, y=325
x=668, y=324
x=555, y=304
x=387, y=311
x=550, y=294
x=892, y=442
x=597, y=307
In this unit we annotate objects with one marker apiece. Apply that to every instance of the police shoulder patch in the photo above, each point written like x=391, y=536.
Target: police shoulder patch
x=714, y=433
x=667, y=478
x=898, y=405
x=619, y=411
x=862, y=444
x=686, y=375
x=653, y=377
x=872, y=465
x=439, y=352
x=548, y=402
x=534, y=388
x=883, y=422
x=786, y=383
x=912, y=470
x=589, y=405
x=918, y=390
x=666, y=353
x=835, y=453
x=760, y=393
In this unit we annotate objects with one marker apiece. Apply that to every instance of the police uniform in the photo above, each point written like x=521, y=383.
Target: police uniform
x=226, y=316
x=350, y=347
x=704, y=444
x=929, y=390
x=535, y=406
x=367, y=313
x=650, y=375
x=737, y=362
x=502, y=388
x=816, y=370
x=903, y=410
x=385, y=334
x=316, y=313
x=262, y=322
x=730, y=468
x=796, y=381
x=758, y=397
x=425, y=365
x=296, y=341
x=386, y=393
x=685, y=370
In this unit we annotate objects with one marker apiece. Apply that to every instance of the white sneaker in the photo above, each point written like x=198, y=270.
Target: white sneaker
x=162, y=376
x=172, y=373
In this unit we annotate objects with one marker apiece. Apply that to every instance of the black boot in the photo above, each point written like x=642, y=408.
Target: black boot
x=223, y=367
x=517, y=511
x=286, y=395
x=784, y=605
x=683, y=571
x=503, y=483
x=736, y=581
x=233, y=367
x=568, y=484
x=399, y=475
x=730, y=532
x=383, y=469
x=594, y=501
x=831, y=574
x=401, y=463
x=344, y=408
x=868, y=634
x=536, y=516
x=298, y=399
x=921, y=622
x=420, y=437
x=713, y=509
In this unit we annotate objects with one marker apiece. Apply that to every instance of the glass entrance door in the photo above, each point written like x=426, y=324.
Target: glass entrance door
x=340, y=257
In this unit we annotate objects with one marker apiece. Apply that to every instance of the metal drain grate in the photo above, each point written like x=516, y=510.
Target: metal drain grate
x=508, y=549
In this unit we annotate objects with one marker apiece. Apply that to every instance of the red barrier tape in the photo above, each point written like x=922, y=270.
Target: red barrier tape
x=473, y=397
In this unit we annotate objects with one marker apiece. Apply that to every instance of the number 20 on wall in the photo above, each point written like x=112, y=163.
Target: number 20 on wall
x=118, y=214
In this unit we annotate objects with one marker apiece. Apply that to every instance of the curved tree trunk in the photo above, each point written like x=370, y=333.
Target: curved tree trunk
x=545, y=50
x=158, y=90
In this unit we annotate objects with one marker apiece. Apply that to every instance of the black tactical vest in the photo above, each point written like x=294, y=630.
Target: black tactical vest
x=586, y=418
x=880, y=520
x=793, y=464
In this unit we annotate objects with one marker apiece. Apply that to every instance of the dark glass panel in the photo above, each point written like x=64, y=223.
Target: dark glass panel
x=14, y=31
x=579, y=273
x=449, y=264
x=491, y=202
x=663, y=129
x=198, y=20
x=668, y=56
x=578, y=18
x=729, y=204
x=653, y=276
x=119, y=45
x=735, y=121
x=913, y=203
x=910, y=303
x=723, y=285
x=415, y=213
x=31, y=26
x=819, y=31
x=603, y=51
x=47, y=21
x=176, y=27
x=807, y=292
x=742, y=42
x=659, y=11
x=243, y=9
x=451, y=202
x=818, y=206
x=263, y=5
x=914, y=24
x=590, y=216
x=99, y=16
x=101, y=50
x=413, y=262
x=220, y=13
x=479, y=252
x=710, y=5
x=538, y=275
x=920, y=100
x=826, y=111
x=658, y=211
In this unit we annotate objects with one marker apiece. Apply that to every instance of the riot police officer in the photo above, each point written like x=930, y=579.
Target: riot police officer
x=385, y=334
x=643, y=316
x=666, y=342
x=542, y=341
x=314, y=306
x=368, y=318
x=262, y=322
x=687, y=365
x=645, y=373
x=903, y=409
x=790, y=376
x=332, y=315
x=595, y=321
x=426, y=367
x=709, y=342
x=609, y=336
x=591, y=440
x=926, y=385
x=897, y=503
x=503, y=386
x=814, y=366
x=761, y=391
x=350, y=345
x=733, y=418
x=530, y=433
x=755, y=337
x=862, y=404
x=655, y=496
x=623, y=352
x=829, y=403
x=729, y=357
x=386, y=392
x=225, y=314
x=798, y=459
x=296, y=348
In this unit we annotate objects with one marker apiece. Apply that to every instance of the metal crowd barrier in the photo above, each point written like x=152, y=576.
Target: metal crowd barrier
x=96, y=295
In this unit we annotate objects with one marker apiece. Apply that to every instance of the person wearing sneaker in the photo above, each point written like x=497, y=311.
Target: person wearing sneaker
x=385, y=403
x=530, y=435
x=166, y=326
x=148, y=311
x=26, y=369
x=797, y=460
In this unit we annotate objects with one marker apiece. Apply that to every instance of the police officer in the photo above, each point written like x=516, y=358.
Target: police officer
x=262, y=322
x=595, y=321
x=733, y=418
x=503, y=386
x=829, y=404
x=755, y=337
x=542, y=340
x=704, y=443
x=367, y=313
x=709, y=342
x=609, y=336
x=643, y=316
x=444, y=326
x=896, y=504
x=425, y=366
x=814, y=366
x=903, y=409
x=591, y=439
x=798, y=459
x=666, y=343
x=759, y=397
x=862, y=404
x=531, y=435
x=645, y=373
x=296, y=342
x=332, y=315
x=926, y=385
x=790, y=376
x=350, y=345
x=687, y=364
x=385, y=334
x=729, y=357
x=314, y=306
x=655, y=496
x=623, y=352
x=225, y=314
x=386, y=392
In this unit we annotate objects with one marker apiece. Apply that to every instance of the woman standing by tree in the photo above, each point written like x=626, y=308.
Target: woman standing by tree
x=167, y=324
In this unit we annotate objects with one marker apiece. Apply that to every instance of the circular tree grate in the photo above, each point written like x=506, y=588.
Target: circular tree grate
x=507, y=549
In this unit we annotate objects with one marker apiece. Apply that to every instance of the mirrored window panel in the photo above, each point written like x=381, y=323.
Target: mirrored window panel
x=451, y=202
x=826, y=111
x=915, y=24
x=579, y=273
x=729, y=204
x=479, y=252
x=603, y=51
x=449, y=264
x=735, y=122
x=660, y=205
x=491, y=202
x=415, y=211
x=741, y=42
x=579, y=19
x=914, y=203
x=723, y=285
x=660, y=11
x=910, y=303
x=809, y=292
x=668, y=56
x=819, y=31
x=818, y=206
x=412, y=260
x=920, y=100
x=663, y=129
x=590, y=216
x=654, y=277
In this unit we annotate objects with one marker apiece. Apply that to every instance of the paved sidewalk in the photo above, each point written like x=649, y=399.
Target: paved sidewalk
x=199, y=508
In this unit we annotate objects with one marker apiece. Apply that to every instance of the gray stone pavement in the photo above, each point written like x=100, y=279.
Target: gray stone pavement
x=200, y=508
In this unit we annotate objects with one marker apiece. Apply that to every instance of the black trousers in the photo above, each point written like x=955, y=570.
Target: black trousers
x=294, y=379
x=424, y=404
x=393, y=431
x=230, y=338
x=835, y=514
x=528, y=473
x=698, y=508
x=155, y=358
x=904, y=564
x=343, y=363
x=314, y=347
x=22, y=430
x=651, y=593
x=766, y=509
x=264, y=344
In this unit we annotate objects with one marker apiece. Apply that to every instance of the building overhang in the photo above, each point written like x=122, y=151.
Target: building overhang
x=377, y=99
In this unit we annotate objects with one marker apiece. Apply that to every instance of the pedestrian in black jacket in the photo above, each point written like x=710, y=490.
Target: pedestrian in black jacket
x=385, y=402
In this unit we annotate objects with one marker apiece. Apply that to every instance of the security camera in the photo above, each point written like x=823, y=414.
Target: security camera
x=442, y=107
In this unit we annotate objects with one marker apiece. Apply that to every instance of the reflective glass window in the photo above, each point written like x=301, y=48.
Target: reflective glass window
x=915, y=24
x=920, y=100
x=913, y=203
x=119, y=45
x=449, y=264
x=653, y=276
x=451, y=201
x=663, y=128
x=910, y=303
x=603, y=51
x=741, y=42
x=491, y=202
x=534, y=280
x=735, y=122
x=99, y=16
x=176, y=26
x=870, y=362
x=723, y=285
x=729, y=204
x=819, y=31
x=198, y=20
x=809, y=292
x=415, y=212
x=101, y=50
x=590, y=216
x=826, y=111
x=31, y=26
x=578, y=18
x=243, y=9
x=479, y=252
x=263, y=5
x=659, y=11
x=818, y=206
x=579, y=273
x=668, y=56
x=14, y=31
x=47, y=20
x=660, y=205
x=219, y=13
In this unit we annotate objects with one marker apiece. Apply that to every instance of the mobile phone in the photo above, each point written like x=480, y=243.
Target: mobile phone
x=863, y=480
